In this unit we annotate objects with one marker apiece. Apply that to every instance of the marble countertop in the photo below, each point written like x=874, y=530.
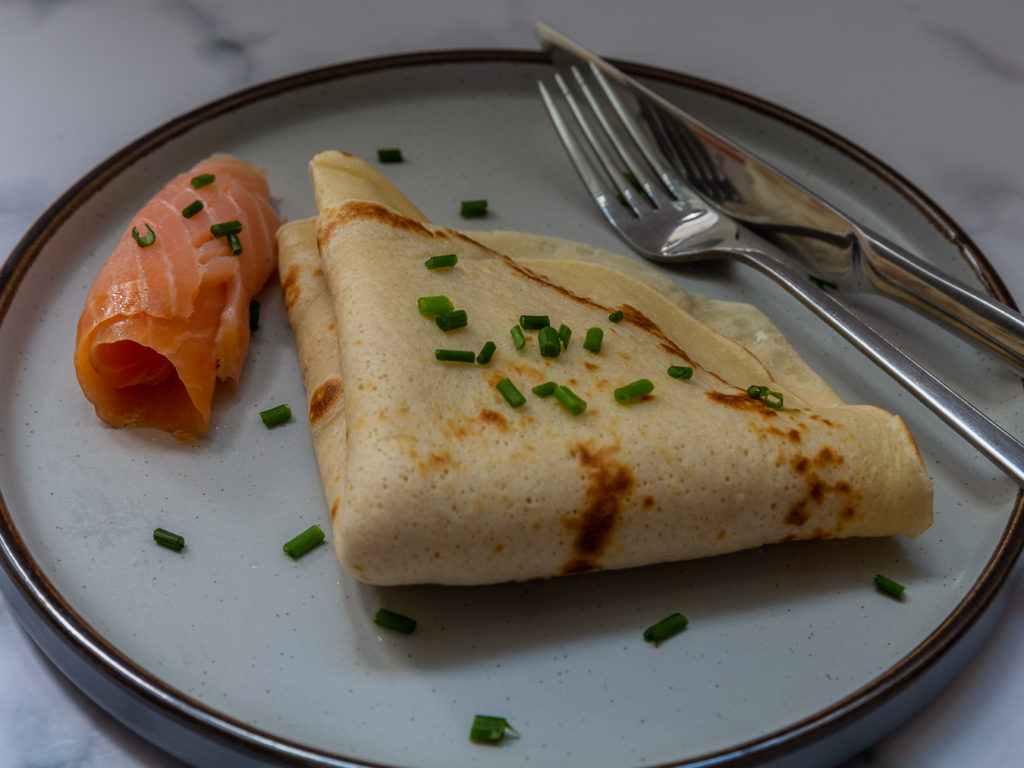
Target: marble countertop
x=935, y=89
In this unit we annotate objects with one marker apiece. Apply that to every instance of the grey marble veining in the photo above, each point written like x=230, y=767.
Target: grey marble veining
x=935, y=89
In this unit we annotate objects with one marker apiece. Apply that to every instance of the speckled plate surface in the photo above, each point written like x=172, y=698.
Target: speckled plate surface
x=231, y=651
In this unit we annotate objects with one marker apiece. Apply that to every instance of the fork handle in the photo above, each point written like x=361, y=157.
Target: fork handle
x=896, y=273
x=1000, y=447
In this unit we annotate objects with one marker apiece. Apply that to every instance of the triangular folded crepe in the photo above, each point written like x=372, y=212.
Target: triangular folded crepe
x=431, y=476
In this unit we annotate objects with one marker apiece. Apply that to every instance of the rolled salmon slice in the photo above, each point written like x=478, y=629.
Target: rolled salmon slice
x=165, y=320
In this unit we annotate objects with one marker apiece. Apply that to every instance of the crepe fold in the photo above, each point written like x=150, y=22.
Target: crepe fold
x=432, y=477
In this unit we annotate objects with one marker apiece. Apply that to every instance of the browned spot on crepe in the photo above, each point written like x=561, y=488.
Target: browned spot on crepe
x=817, y=488
x=487, y=416
x=608, y=483
x=290, y=288
x=742, y=402
x=323, y=400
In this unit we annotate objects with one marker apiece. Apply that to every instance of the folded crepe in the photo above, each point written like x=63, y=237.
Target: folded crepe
x=429, y=473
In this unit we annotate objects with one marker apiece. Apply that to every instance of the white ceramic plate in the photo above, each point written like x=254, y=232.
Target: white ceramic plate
x=230, y=651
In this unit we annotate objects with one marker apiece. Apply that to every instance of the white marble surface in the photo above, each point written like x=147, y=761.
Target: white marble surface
x=933, y=88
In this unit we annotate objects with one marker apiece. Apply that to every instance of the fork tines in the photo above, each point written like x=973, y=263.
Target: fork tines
x=626, y=150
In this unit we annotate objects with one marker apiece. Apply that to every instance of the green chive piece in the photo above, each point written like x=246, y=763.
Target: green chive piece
x=202, y=180
x=823, y=283
x=167, y=539
x=396, y=621
x=434, y=305
x=455, y=355
x=615, y=316
x=550, y=344
x=517, y=337
x=770, y=398
x=235, y=244
x=444, y=261
x=510, y=393
x=486, y=353
x=573, y=402
x=680, y=371
x=254, y=315
x=564, y=334
x=472, y=209
x=225, y=228
x=889, y=586
x=534, y=322
x=449, y=321
x=389, y=155
x=545, y=390
x=305, y=541
x=665, y=628
x=279, y=414
x=632, y=391
x=592, y=341
x=144, y=240
x=490, y=729
x=192, y=209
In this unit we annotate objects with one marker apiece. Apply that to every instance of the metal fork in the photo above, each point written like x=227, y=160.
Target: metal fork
x=663, y=218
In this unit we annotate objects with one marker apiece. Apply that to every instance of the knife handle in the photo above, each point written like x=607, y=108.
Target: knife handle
x=898, y=274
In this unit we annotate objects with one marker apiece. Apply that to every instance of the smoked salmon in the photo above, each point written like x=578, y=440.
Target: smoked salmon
x=168, y=314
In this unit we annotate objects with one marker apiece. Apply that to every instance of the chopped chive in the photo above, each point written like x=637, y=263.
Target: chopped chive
x=570, y=400
x=822, y=283
x=665, y=628
x=486, y=353
x=548, y=341
x=564, y=334
x=490, y=729
x=632, y=391
x=680, y=371
x=455, y=355
x=225, y=228
x=471, y=209
x=389, y=155
x=889, y=586
x=305, y=541
x=544, y=390
x=534, y=322
x=279, y=414
x=202, y=180
x=167, y=539
x=434, y=305
x=235, y=244
x=517, y=337
x=444, y=261
x=144, y=240
x=633, y=181
x=254, y=315
x=615, y=316
x=449, y=321
x=770, y=398
x=592, y=341
x=396, y=621
x=510, y=393
x=192, y=209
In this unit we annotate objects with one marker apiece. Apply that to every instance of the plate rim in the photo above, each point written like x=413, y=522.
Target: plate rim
x=77, y=649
